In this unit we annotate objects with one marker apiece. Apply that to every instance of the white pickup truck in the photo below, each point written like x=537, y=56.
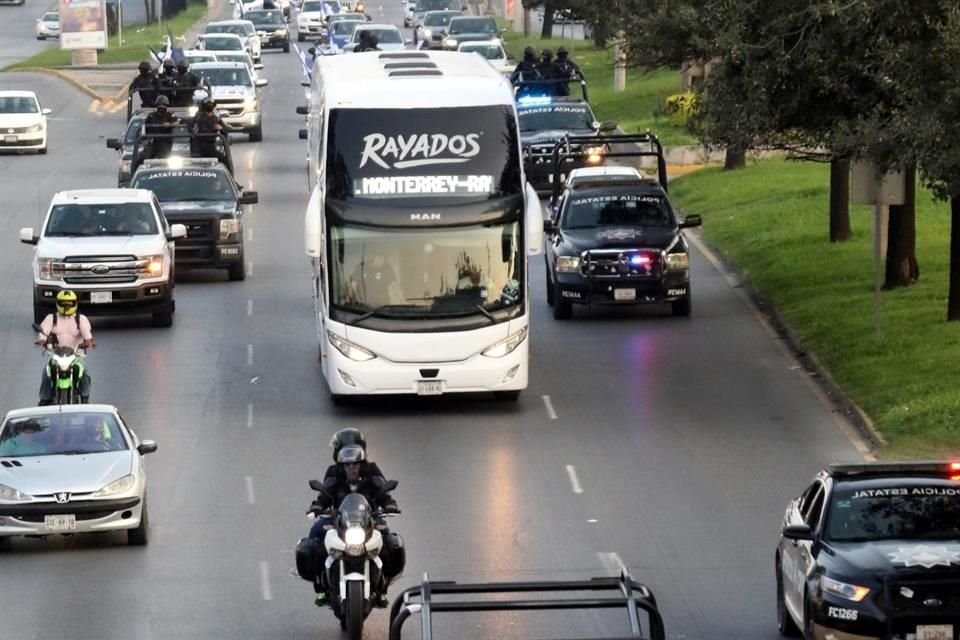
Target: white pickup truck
x=113, y=247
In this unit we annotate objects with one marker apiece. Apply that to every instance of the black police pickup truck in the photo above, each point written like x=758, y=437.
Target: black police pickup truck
x=201, y=194
x=613, y=238
x=872, y=551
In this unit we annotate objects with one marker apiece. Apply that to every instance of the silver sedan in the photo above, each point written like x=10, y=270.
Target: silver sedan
x=72, y=469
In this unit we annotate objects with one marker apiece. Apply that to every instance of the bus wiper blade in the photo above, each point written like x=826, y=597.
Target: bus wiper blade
x=489, y=315
x=378, y=311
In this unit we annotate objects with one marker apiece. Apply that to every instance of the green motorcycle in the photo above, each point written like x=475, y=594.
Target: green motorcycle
x=65, y=370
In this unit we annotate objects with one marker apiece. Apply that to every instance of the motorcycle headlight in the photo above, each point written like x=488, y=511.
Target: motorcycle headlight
x=9, y=494
x=568, y=263
x=122, y=485
x=506, y=346
x=355, y=535
x=347, y=348
x=852, y=592
x=678, y=261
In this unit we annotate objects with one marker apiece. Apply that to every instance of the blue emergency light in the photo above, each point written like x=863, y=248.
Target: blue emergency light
x=528, y=100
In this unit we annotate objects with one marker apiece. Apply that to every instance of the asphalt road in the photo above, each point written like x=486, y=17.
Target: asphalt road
x=667, y=445
x=18, y=40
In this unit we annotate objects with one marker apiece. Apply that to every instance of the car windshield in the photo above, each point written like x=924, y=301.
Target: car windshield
x=438, y=19
x=309, y=7
x=918, y=512
x=88, y=220
x=422, y=273
x=348, y=17
x=182, y=185
x=222, y=76
x=19, y=104
x=488, y=51
x=438, y=5
x=235, y=56
x=265, y=18
x=556, y=116
x=472, y=25
x=51, y=17
x=214, y=43
x=235, y=29
x=343, y=27
x=61, y=434
x=199, y=56
x=586, y=211
x=383, y=36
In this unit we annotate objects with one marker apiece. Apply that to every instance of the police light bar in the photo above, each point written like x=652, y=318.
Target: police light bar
x=926, y=467
x=179, y=162
x=532, y=100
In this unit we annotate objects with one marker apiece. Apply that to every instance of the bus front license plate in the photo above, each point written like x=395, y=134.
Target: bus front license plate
x=429, y=387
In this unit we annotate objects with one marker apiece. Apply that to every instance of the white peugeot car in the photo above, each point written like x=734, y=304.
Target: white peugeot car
x=23, y=122
x=72, y=469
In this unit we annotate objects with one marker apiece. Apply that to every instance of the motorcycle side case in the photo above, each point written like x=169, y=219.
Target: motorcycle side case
x=310, y=553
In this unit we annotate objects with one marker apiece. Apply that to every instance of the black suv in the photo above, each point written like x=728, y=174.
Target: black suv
x=271, y=28
x=613, y=238
x=873, y=551
x=201, y=194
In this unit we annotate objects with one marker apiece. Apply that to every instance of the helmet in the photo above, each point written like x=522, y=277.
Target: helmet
x=547, y=54
x=144, y=67
x=529, y=52
x=161, y=101
x=66, y=303
x=350, y=454
x=183, y=65
x=168, y=63
x=562, y=51
x=346, y=437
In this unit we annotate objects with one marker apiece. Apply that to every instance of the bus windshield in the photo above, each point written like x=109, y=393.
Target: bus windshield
x=454, y=154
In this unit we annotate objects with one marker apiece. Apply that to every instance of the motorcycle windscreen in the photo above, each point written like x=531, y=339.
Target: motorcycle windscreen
x=354, y=511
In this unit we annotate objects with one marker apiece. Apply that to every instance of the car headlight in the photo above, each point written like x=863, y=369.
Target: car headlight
x=250, y=104
x=280, y=32
x=45, y=268
x=122, y=485
x=9, y=494
x=450, y=42
x=125, y=166
x=852, y=592
x=154, y=266
x=678, y=261
x=568, y=263
x=228, y=226
x=37, y=128
x=594, y=155
x=428, y=33
x=507, y=346
x=347, y=348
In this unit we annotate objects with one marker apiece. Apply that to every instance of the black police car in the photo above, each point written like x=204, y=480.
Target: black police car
x=201, y=194
x=873, y=551
x=271, y=28
x=613, y=238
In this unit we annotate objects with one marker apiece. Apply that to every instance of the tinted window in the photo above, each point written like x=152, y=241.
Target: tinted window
x=454, y=153
x=438, y=19
x=226, y=44
x=122, y=219
x=344, y=28
x=929, y=512
x=186, y=184
x=133, y=130
x=237, y=76
x=472, y=25
x=61, y=434
x=555, y=116
x=311, y=6
x=623, y=209
x=235, y=29
x=266, y=18
x=25, y=104
x=383, y=36
x=51, y=17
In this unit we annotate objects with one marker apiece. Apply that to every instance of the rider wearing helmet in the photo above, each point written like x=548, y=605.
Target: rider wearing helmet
x=68, y=328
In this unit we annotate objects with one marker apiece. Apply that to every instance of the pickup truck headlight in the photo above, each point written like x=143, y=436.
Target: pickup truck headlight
x=679, y=261
x=45, y=267
x=228, y=226
x=568, y=263
x=154, y=266
x=427, y=34
x=249, y=104
x=280, y=32
x=353, y=351
x=121, y=485
x=506, y=346
x=852, y=592
x=9, y=494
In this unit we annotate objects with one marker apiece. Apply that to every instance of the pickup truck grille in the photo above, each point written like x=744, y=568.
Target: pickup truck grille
x=101, y=269
x=230, y=106
x=621, y=263
x=198, y=231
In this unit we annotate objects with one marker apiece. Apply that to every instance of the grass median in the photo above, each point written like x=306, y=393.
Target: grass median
x=136, y=40
x=637, y=108
x=772, y=221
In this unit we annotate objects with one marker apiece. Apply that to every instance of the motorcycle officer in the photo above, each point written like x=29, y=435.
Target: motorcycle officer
x=353, y=476
x=66, y=327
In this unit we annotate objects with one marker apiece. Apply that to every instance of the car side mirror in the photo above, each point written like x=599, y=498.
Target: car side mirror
x=27, y=237
x=147, y=446
x=797, y=532
x=304, y=83
x=302, y=110
x=691, y=221
x=177, y=231
x=114, y=143
x=303, y=134
x=549, y=226
x=248, y=197
x=608, y=125
x=261, y=82
x=46, y=111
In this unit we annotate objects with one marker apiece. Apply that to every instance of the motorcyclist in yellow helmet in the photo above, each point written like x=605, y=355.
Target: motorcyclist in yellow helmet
x=69, y=328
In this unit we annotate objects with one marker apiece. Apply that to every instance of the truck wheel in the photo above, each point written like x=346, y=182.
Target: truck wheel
x=286, y=47
x=682, y=307
x=300, y=37
x=562, y=309
x=256, y=135
x=237, y=271
x=549, y=290
x=163, y=318
x=38, y=313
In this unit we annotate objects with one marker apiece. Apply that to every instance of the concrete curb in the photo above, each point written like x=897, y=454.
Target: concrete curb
x=63, y=76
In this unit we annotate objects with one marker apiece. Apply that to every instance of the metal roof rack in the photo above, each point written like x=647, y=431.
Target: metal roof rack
x=630, y=595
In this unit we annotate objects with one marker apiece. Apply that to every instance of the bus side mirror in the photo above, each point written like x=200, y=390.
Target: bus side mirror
x=303, y=134
x=302, y=110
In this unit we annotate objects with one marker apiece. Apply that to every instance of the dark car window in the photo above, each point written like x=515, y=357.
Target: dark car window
x=264, y=18
x=438, y=19
x=472, y=25
x=183, y=185
x=61, y=434
x=811, y=515
x=133, y=130
x=930, y=512
x=624, y=209
x=117, y=219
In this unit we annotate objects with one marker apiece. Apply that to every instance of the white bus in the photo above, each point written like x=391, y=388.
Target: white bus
x=419, y=225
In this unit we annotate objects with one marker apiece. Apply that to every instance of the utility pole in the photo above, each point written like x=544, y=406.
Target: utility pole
x=620, y=63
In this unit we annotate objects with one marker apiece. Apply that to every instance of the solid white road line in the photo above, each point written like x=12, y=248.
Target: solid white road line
x=249, y=307
x=249, y=415
x=251, y=497
x=549, y=405
x=249, y=235
x=249, y=355
x=265, y=581
x=250, y=268
x=574, y=482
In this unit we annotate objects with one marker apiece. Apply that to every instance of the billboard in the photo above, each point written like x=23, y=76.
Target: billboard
x=83, y=24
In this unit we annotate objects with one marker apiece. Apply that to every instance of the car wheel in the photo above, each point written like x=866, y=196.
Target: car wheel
x=257, y=134
x=286, y=47
x=4, y=543
x=562, y=309
x=683, y=306
x=785, y=624
x=300, y=37
x=164, y=318
x=237, y=271
x=507, y=396
x=41, y=38
x=338, y=399
x=549, y=290
x=140, y=536
x=42, y=150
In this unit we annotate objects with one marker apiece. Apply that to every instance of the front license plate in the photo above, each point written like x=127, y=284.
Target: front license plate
x=101, y=297
x=429, y=387
x=9, y=138
x=935, y=632
x=624, y=294
x=65, y=522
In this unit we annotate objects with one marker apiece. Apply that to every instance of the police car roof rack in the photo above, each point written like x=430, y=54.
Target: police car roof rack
x=564, y=148
x=925, y=467
x=630, y=594
x=132, y=91
x=139, y=149
x=544, y=89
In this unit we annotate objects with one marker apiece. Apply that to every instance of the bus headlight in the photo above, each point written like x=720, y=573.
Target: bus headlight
x=507, y=346
x=347, y=348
